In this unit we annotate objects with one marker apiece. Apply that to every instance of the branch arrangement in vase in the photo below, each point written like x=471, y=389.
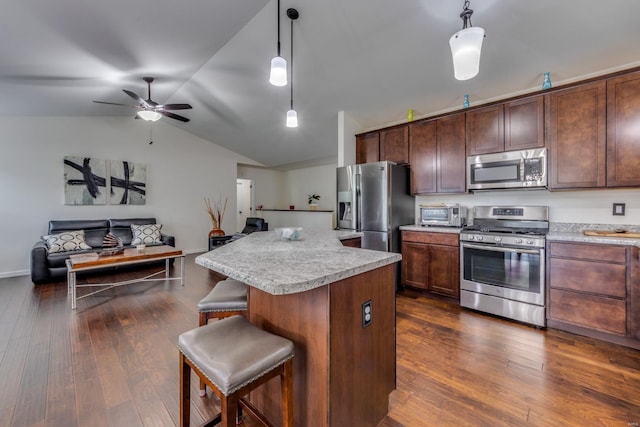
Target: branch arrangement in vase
x=216, y=211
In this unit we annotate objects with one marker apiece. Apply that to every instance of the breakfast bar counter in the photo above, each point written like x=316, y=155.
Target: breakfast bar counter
x=315, y=292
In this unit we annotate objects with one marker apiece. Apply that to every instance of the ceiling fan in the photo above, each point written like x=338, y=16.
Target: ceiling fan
x=150, y=110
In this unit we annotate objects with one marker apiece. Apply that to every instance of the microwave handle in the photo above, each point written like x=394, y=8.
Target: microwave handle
x=501, y=249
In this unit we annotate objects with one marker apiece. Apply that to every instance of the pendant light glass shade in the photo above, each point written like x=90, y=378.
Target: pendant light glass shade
x=465, y=48
x=150, y=116
x=292, y=119
x=278, y=75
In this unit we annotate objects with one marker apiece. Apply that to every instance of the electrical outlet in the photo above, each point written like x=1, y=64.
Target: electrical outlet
x=619, y=208
x=367, y=314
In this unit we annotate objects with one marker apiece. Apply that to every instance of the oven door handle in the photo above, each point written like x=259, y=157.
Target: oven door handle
x=501, y=249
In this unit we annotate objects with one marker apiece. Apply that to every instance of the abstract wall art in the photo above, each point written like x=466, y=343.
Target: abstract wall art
x=128, y=183
x=85, y=181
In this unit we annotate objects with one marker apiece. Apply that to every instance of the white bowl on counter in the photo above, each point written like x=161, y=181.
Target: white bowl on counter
x=289, y=233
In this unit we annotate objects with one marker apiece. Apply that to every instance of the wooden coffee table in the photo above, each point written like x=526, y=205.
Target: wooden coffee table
x=88, y=262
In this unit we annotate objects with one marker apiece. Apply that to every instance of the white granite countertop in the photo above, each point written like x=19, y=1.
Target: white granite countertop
x=281, y=267
x=418, y=227
x=574, y=232
x=575, y=236
x=348, y=234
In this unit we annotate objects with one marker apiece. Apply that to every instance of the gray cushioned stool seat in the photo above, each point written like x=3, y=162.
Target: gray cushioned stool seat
x=227, y=295
x=232, y=352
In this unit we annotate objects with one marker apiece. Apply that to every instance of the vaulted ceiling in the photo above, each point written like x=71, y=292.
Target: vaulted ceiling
x=373, y=59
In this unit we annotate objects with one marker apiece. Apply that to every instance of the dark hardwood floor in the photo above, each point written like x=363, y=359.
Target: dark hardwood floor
x=114, y=362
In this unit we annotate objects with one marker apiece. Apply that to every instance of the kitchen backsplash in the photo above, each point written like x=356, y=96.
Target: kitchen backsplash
x=590, y=207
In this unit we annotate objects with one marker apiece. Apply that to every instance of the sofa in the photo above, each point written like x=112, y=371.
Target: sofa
x=49, y=266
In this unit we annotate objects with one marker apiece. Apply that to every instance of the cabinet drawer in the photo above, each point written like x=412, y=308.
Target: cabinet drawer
x=588, y=276
x=606, y=253
x=449, y=239
x=599, y=313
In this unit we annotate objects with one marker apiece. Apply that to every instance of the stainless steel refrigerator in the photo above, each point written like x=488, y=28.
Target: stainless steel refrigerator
x=374, y=198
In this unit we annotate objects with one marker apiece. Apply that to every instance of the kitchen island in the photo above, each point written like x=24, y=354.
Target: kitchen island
x=314, y=292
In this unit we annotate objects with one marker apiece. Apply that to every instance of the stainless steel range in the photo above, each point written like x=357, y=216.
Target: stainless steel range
x=502, y=262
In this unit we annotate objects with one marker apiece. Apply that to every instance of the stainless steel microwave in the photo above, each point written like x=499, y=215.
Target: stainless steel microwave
x=524, y=169
x=442, y=215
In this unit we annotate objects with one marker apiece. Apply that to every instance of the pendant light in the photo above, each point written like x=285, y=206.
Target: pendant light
x=292, y=115
x=465, y=47
x=278, y=74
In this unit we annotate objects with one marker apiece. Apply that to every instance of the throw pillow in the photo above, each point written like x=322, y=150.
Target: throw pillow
x=147, y=234
x=67, y=241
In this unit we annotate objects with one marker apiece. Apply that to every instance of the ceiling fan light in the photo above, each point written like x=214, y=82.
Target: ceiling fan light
x=149, y=115
x=292, y=119
x=466, y=45
x=278, y=75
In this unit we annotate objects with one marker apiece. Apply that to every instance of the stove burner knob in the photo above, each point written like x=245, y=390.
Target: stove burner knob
x=479, y=238
x=498, y=239
x=518, y=240
x=530, y=242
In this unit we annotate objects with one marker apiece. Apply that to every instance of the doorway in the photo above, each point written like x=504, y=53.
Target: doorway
x=245, y=202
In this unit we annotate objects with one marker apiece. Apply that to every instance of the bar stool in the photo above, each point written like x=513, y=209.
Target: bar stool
x=234, y=357
x=227, y=298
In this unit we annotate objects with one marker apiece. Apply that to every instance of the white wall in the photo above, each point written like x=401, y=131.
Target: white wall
x=347, y=130
x=591, y=207
x=269, y=185
x=300, y=183
x=181, y=170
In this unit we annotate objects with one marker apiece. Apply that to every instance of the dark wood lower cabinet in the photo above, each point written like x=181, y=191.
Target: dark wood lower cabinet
x=593, y=290
x=356, y=242
x=431, y=261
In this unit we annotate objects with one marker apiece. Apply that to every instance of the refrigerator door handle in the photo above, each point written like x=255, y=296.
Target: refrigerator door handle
x=358, y=203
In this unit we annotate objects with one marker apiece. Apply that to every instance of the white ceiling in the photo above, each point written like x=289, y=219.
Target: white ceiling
x=373, y=59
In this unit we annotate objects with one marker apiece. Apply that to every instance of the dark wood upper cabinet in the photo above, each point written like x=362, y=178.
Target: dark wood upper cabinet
x=422, y=156
x=394, y=145
x=524, y=123
x=623, y=131
x=451, y=159
x=485, y=130
x=576, y=136
x=437, y=155
x=368, y=147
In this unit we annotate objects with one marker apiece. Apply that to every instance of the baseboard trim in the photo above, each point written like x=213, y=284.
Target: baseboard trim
x=14, y=273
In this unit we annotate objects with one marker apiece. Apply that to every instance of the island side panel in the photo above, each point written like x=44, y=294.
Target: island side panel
x=343, y=373
x=363, y=359
x=304, y=319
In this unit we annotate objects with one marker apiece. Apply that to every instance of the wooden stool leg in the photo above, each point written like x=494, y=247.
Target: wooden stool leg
x=185, y=398
x=229, y=410
x=202, y=319
x=286, y=385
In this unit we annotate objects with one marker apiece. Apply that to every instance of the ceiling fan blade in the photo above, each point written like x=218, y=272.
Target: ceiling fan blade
x=173, y=116
x=174, y=107
x=115, y=103
x=137, y=98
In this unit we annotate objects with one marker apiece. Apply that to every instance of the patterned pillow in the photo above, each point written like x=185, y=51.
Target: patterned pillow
x=147, y=234
x=67, y=241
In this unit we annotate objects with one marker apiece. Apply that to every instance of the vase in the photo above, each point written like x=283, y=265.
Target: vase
x=313, y=206
x=216, y=232
x=546, y=83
